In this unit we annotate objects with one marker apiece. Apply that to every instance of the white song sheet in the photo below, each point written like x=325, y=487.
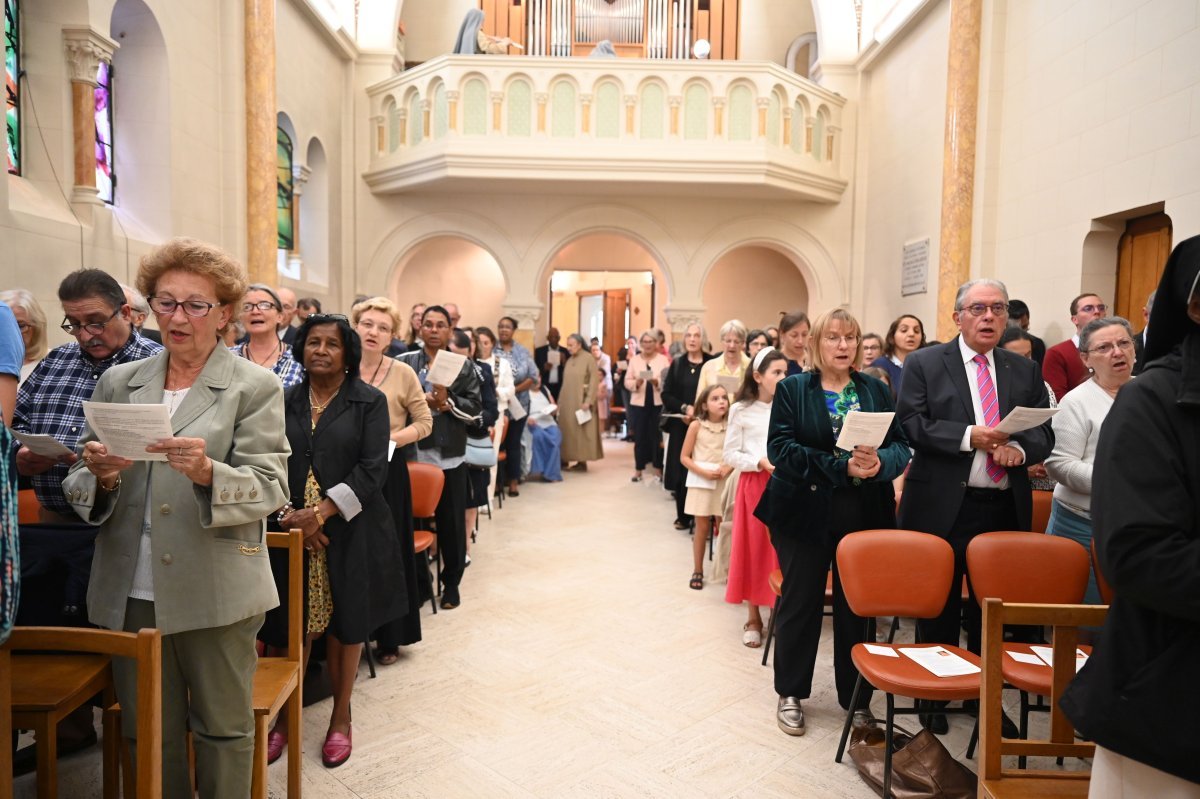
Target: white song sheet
x=1021, y=419
x=1046, y=653
x=583, y=416
x=939, y=661
x=697, y=480
x=865, y=429
x=445, y=368
x=46, y=446
x=126, y=429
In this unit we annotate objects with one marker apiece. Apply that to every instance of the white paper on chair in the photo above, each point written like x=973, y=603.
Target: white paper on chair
x=1025, y=657
x=696, y=480
x=445, y=368
x=886, y=651
x=1046, y=653
x=583, y=416
x=1020, y=419
x=939, y=661
x=865, y=429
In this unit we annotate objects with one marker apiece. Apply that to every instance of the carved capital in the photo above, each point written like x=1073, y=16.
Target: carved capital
x=300, y=175
x=680, y=318
x=763, y=102
x=718, y=102
x=631, y=100
x=586, y=99
x=541, y=97
x=497, y=97
x=526, y=315
x=85, y=50
x=452, y=96
x=675, y=101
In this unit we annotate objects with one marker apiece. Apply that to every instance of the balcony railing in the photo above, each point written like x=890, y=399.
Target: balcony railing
x=670, y=126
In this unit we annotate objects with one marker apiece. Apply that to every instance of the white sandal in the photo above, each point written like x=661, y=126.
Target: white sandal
x=751, y=636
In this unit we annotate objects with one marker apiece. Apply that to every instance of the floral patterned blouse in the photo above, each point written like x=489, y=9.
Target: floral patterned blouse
x=840, y=404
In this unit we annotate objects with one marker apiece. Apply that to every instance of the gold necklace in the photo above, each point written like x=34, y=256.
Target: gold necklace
x=319, y=407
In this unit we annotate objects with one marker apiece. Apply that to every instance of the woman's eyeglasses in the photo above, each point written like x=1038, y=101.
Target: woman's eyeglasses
x=197, y=308
x=262, y=305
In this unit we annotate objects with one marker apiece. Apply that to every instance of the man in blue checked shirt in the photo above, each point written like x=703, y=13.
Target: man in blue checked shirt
x=50, y=402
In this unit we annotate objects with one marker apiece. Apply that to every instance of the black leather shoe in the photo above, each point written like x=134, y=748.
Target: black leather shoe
x=935, y=722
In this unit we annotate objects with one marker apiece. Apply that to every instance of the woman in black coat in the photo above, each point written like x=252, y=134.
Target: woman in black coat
x=816, y=495
x=1140, y=682
x=338, y=429
x=679, y=396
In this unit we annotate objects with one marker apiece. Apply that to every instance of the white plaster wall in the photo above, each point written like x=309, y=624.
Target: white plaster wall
x=432, y=26
x=1100, y=114
x=768, y=28
x=753, y=284
x=900, y=167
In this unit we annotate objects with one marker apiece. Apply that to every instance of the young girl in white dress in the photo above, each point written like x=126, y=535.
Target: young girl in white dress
x=701, y=456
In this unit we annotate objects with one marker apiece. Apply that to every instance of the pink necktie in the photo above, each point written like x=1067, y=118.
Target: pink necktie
x=991, y=409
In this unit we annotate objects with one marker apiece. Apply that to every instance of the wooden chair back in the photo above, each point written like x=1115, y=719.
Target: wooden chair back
x=427, y=481
x=144, y=647
x=1028, y=567
x=280, y=681
x=895, y=573
x=994, y=780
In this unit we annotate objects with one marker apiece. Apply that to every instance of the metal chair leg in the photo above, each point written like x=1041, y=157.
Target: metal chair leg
x=770, y=632
x=887, y=747
x=850, y=717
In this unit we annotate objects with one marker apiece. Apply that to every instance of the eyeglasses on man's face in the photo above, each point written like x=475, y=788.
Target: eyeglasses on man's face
x=980, y=308
x=262, y=305
x=95, y=328
x=165, y=306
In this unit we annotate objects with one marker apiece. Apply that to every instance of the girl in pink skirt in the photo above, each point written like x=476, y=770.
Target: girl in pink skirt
x=751, y=557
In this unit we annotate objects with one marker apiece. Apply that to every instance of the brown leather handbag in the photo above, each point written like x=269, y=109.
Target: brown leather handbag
x=922, y=768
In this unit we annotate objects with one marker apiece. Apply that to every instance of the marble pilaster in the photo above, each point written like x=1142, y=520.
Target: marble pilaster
x=86, y=50
x=262, y=235
x=958, y=158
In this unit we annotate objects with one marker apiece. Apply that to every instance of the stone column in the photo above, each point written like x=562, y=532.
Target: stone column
x=262, y=234
x=958, y=158
x=86, y=49
x=526, y=316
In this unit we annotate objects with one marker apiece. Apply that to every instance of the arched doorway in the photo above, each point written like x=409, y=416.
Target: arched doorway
x=445, y=269
x=755, y=284
x=607, y=285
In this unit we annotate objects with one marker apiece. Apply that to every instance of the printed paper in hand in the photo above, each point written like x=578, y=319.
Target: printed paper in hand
x=1046, y=653
x=696, y=480
x=647, y=375
x=583, y=416
x=886, y=651
x=1020, y=419
x=515, y=409
x=730, y=383
x=864, y=429
x=623, y=366
x=1025, y=657
x=46, y=446
x=391, y=448
x=552, y=357
x=126, y=429
x=939, y=661
x=445, y=368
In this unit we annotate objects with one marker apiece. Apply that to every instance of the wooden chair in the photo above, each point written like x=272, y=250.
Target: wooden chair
x=280, y=680
x=427, y=481
x=64, y=668
x=899, y=573
x=995, y=781
x=1027, y=567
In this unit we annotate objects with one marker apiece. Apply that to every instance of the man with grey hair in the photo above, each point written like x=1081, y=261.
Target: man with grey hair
x=1139, y=341
x=965, y=477
x=287, y=331
x=139, y=311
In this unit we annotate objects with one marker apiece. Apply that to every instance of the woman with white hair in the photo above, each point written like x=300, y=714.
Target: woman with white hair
x=32, y=322
x=679, y=397
x=730, y=368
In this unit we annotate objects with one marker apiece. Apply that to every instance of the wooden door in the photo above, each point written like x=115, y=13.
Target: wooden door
x=616, y=304
x=1141, y=256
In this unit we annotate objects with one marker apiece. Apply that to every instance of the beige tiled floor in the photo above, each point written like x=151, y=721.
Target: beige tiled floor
x=579, y=665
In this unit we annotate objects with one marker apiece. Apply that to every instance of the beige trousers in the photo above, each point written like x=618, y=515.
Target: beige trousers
x=1118, y=777
x=214, y=669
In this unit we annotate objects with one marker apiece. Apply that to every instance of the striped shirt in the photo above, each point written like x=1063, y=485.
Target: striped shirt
x=50, y=402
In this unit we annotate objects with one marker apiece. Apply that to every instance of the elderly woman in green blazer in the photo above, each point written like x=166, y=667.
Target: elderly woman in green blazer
x=817, y=494
x=181, y=544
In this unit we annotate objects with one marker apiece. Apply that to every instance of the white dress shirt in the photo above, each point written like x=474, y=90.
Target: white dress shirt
x=746, y=435
x=979, y=477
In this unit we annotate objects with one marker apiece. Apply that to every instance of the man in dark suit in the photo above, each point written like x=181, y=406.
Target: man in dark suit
x=1139, y=341
x=965, y=478
x=550, y=368
x=1063, y=369
x=1018, y=312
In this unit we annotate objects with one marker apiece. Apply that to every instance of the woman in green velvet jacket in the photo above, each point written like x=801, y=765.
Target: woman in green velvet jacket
x=817, y=494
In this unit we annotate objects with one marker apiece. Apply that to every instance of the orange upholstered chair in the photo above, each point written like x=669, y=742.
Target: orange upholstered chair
x=426, y=481
x=1017, y=567
x=1106, y=592
x=899, y=573
x=1042, y=503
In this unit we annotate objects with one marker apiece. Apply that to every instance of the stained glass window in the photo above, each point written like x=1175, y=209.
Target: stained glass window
x=105, y=176
x=284, y=190
x=12, y=87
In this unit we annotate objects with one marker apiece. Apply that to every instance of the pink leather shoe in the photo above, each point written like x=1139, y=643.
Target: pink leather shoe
x=336, y=750
x=276, y=741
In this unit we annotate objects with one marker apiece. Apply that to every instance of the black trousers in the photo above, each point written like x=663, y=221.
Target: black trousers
x=646, y=436
x=982, y=511
x=680, y=501
x=451, y=521
x=805, y=557
x=512, y=448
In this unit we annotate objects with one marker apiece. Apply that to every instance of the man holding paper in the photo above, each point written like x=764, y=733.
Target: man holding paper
x=550, y=359
x=967, y=478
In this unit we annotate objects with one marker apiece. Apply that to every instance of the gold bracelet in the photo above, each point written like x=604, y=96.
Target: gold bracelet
x=317, y=513
x=108, y=489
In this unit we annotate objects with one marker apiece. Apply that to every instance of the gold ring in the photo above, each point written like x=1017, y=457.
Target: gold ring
x=180, y=452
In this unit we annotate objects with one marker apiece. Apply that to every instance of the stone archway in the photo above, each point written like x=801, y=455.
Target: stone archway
x=450, y=268
x=755, y=284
